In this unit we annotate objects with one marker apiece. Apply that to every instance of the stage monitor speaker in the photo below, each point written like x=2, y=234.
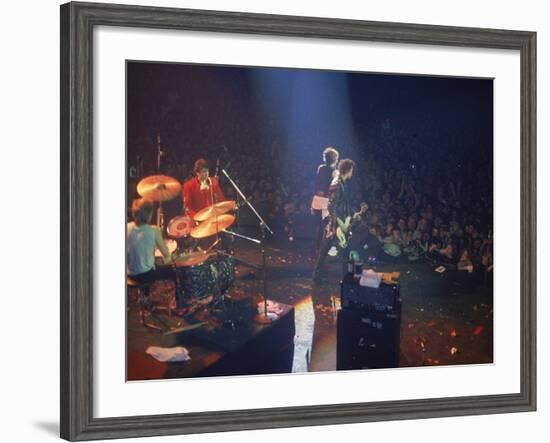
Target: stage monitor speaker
x=368, y=339
x=361, y=298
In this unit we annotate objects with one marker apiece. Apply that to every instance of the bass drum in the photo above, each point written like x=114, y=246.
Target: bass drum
x=197, y=276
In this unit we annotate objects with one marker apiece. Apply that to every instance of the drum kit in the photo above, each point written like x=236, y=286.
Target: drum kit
x=200, y=274
x=203, y=273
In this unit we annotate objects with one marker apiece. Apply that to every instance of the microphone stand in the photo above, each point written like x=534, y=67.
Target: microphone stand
x=237, y=218
x=260, y=318
x=234, y=234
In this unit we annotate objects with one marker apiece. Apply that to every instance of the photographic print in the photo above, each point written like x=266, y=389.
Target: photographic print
x=298, y=220
x=314, y=227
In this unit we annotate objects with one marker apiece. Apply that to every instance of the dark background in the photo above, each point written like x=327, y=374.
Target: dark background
x=268, y=128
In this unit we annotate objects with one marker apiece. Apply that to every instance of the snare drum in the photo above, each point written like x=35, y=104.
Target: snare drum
x=172, y=245
x=197, y=274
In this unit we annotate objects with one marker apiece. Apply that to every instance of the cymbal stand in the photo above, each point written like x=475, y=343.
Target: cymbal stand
x=219, y=296
x=262, y=318
x=216, y=214
x=160, y=217
x=160, y=214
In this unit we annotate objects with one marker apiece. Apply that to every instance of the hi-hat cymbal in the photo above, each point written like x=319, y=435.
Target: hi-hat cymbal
x=218, y=209
x=212, y=226
x=159, y=187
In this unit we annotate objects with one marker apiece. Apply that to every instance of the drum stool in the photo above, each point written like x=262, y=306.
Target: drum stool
x=144, y=301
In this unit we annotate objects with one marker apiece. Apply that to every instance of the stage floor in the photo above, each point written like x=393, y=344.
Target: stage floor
x=446, y=318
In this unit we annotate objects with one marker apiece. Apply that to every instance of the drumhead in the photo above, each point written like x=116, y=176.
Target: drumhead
x=172, y=245
x=193, y=259
x=180, y=226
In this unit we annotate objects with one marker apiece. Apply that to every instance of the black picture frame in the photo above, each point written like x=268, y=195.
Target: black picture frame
x=77, y=219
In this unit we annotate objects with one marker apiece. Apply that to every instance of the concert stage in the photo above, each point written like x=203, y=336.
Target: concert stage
x=445, y=319
x=216, y=349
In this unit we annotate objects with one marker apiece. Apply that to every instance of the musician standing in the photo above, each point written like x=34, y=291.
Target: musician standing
x=339, y=209
x=202, y=190
x=319, y=204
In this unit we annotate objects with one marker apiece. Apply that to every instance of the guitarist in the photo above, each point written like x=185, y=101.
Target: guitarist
x=340, y=217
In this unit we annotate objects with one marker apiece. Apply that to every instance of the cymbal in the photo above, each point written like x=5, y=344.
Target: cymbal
x=159, y=187
x=212, y=226
x=218, y=209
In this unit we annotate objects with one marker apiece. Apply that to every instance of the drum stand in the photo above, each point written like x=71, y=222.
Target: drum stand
x=219, y=298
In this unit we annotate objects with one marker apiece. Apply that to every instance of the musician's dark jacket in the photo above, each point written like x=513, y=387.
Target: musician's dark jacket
x=339, y=205
x=323, y=179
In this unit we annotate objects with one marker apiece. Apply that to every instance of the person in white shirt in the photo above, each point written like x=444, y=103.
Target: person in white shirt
x=141, y=240
x=326, y=172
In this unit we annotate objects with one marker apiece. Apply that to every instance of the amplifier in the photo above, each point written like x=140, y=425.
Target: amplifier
x=362, y=298
x=368, y=339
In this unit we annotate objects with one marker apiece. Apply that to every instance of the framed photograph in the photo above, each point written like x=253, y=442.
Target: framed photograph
x=273, y=221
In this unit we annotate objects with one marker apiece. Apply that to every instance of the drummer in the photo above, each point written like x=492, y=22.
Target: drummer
x=141, y=240
x=202, y=190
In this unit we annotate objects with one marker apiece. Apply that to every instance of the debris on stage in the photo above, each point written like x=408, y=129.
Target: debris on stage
x=237, y=300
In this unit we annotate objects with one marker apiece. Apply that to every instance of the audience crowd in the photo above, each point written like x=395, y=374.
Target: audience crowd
x=429, y=198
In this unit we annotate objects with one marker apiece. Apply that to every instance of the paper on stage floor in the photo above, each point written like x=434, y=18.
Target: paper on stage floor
x=168, y=355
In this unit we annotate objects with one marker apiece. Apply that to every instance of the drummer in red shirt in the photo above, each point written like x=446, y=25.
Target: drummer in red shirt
x=202, y=190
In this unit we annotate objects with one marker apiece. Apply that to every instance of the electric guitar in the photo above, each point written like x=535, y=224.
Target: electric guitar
x=343, y=227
